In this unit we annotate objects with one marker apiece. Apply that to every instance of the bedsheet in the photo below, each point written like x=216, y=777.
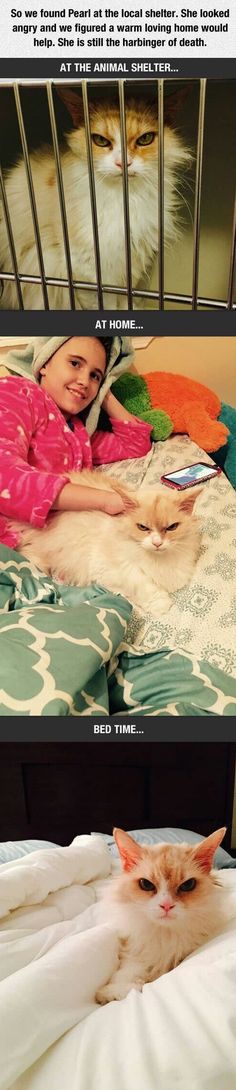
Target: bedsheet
x=67, y=651
x=54, y=954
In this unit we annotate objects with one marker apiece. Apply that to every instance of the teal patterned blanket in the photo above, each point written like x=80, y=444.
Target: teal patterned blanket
x=54, y=642
x=67, y=651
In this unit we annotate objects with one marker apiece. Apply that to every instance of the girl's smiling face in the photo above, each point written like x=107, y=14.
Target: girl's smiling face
x=74, y=373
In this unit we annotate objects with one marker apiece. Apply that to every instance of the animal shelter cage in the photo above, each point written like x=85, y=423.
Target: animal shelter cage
x=198, y=270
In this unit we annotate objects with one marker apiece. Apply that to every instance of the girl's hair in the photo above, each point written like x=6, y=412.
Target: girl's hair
x=106, y=426
x=107, y=343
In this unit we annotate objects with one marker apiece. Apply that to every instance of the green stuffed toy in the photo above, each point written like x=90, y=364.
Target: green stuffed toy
x=131, y=391
x=226, y=455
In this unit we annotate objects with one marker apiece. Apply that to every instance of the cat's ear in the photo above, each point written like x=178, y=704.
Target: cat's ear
x=205, y=851
x=130, y=852
x=73, y=103
x=174, y=101
x=187, y=502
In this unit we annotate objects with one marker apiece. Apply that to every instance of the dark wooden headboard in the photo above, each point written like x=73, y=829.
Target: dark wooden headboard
x=57, y=790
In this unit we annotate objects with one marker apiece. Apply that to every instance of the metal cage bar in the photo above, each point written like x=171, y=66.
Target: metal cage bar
x=170, y=297
x=31, y=195
x=11, y=241
x=127, y=292
x=61, y=194
x=198, y=192
x=125, y=196
x=232, y=261
x=93, y=201
x=161, y=192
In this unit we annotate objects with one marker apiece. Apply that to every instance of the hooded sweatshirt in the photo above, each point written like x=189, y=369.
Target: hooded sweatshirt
x=39, y=448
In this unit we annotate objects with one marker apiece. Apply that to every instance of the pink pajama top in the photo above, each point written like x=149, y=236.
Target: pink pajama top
x=38, y=449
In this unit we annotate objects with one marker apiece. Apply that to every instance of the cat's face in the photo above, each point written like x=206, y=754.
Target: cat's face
x=163, y=521
x=166, y=881
x=141, y=141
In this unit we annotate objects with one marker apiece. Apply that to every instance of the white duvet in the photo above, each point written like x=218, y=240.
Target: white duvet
x=180, y=1032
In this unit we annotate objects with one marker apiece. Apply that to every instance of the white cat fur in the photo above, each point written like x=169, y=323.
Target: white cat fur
x=143, y=206
x=153, y=941
x=90, y=546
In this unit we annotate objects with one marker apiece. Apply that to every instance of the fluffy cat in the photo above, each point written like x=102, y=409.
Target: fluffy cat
x=165, y=904
x=148, y=551
x=142, y=157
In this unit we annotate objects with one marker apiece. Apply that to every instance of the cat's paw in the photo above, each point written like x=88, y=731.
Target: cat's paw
x=115, y=991
x=160, y=604
x=107, y=994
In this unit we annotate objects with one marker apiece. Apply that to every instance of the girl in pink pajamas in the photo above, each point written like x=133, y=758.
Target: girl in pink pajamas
x=43, y=436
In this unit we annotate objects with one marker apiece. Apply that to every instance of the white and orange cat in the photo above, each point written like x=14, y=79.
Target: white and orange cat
x=142, y=159
x=144, y=554
x=166, y=903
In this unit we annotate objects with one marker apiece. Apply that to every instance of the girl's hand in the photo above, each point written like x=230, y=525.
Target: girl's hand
x=115, y=410
x=115, y=504
x=107, y=401
x=76, y=497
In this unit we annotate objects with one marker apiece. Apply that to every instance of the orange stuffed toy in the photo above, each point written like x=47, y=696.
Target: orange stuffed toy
x=193, y=408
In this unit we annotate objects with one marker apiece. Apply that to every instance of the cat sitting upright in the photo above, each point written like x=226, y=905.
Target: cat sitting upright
x=165, y=904
x=145, y=553
x=142, y=160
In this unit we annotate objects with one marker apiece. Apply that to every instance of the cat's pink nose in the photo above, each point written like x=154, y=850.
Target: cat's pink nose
x=118, y=162
x=156, y=540
x=167, y=906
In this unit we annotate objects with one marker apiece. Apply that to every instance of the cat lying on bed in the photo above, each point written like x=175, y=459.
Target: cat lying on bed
x=144, y=553
x=165, y=904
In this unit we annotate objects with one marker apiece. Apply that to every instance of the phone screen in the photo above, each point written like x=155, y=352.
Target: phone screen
x=191, y=474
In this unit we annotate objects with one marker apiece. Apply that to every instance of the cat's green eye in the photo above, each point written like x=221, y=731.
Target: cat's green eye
x=140, y=526
x=145, y=139
x=100, y=140
x=187, y=886
x=147, y=886
x=174, y=526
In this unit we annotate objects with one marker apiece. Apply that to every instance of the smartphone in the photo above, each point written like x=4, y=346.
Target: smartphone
x=190, y=475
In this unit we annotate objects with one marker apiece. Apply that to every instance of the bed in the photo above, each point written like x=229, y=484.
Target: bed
x=180, y=1032
x=67, y=651
x=55, y=954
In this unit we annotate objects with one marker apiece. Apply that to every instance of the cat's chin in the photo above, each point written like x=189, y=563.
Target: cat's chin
x=166, y=920
x=115, y=175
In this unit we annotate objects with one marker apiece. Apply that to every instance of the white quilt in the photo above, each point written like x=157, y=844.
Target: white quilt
x=180, y=1032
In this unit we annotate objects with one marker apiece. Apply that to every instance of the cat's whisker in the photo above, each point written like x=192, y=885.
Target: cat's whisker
x=188, y=185
x=189, y=209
